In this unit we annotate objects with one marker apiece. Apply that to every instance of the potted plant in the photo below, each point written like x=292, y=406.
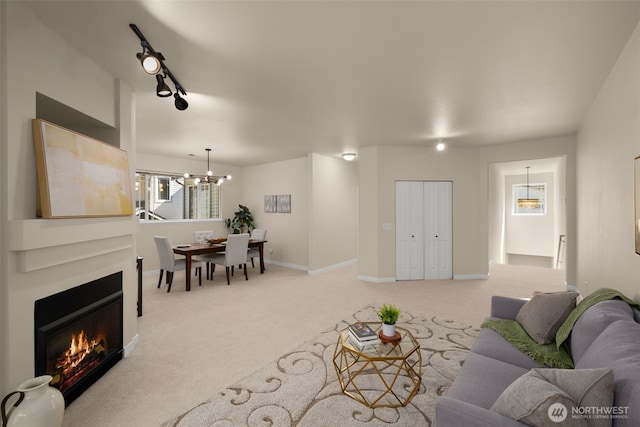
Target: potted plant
x=242, y=221
x=389, y=315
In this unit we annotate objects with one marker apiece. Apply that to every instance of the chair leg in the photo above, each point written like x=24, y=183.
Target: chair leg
x=232, y=267
x=208, y=271
x=253, y=265
x=160, y=281
x=199, y=271
x=228, y=282
x=169, y=280
x=246, y=274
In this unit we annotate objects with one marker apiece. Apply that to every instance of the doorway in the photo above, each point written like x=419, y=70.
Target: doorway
x=534, y=239
x=424, y=231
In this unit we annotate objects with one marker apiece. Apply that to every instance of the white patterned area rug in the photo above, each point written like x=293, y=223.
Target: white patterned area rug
x=301, y=387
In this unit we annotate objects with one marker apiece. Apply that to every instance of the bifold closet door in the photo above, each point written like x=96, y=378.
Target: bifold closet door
x=438, y=230
x=409, y=230
x=423, y=230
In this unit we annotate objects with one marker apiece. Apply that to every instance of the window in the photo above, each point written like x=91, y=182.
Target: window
x=167, y=197
x=535, y=191
x=163, y=188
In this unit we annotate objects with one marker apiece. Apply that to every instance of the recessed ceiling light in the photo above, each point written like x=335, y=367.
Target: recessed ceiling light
x=440, y=146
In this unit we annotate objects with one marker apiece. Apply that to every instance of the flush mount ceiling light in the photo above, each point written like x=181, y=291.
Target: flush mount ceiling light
x=153, y=63
x=440, y=146
x=349, y=157
x=528, y=202
x=209, y=176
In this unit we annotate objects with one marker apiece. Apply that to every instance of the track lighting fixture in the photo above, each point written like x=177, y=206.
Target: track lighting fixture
x=162, y=90
x=150, y=62
x=153, y=63
x=181, y=103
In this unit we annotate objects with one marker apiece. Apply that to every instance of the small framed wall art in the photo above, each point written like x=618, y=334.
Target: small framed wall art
x=270, y=204
x=284, y=203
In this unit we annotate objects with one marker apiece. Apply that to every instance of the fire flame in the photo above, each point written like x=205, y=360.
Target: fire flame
x=80, y=347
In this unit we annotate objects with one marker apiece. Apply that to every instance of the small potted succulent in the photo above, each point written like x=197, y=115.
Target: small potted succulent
x=389, y=315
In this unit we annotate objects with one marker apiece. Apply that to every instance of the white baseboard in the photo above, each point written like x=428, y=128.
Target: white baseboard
x=470, y=277
x=128, y=349
x=377, y=279
x=287, y=265
x=333, y=267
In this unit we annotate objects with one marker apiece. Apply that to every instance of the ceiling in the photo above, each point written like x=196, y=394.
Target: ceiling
x=275, y=80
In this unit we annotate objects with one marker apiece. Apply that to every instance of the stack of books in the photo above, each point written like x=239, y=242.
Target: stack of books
x=361, y=334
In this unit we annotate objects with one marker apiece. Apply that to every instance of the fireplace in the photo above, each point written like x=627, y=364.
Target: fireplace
x=78, y=334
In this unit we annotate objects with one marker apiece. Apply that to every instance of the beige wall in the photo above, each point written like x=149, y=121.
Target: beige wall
x=381, y=167
x=332, y=212
x=368, y=238
x=468, y=169
x=608, y=141
x=41, y=257
x=287, y=233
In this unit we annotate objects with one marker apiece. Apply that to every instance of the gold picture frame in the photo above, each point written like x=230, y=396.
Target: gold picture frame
x=636, y=202
x=79, y=176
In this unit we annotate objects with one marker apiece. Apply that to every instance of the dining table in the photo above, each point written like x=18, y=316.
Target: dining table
x=191, y=249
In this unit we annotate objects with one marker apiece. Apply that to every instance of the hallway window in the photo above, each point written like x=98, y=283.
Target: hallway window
x=536, y=191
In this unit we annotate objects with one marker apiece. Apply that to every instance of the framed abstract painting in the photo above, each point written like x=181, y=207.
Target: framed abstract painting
x=79, y=176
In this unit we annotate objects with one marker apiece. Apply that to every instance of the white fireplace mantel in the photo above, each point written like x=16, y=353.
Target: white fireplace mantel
x=42, y=243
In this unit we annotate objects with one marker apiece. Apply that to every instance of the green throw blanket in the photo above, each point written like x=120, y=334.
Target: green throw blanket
x=556, y=354
x=547, y=354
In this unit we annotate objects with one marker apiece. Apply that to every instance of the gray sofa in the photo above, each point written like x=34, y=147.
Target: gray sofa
x=607, y=335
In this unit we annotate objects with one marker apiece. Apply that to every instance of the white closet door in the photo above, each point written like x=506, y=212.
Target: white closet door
x=409, y=230
x=424, y=230
x=438, y=230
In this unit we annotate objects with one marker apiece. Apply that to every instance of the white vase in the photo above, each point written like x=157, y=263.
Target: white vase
x=388, y=330
x=39, y=405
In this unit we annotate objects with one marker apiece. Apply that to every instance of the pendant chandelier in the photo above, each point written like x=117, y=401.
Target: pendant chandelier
x=528, y=202
x=209, y=176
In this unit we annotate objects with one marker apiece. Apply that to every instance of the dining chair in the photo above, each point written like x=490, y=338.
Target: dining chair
x=202, y=237
x=235, y=254
x=170, y=264
x=256, y=234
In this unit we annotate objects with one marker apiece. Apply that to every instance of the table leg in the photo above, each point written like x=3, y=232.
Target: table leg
x=261, y=250
x=187, y=273
x=139, y=267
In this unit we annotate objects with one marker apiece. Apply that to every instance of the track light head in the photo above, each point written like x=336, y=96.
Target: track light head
x=162, y=90
x=181, y=103
x=153, y=63
x=150, y=62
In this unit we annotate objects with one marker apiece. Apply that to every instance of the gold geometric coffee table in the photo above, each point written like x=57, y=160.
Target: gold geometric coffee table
x=379, y=375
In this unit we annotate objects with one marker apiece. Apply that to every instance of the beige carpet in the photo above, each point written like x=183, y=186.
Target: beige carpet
x=300, y=388
x=192, y=345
